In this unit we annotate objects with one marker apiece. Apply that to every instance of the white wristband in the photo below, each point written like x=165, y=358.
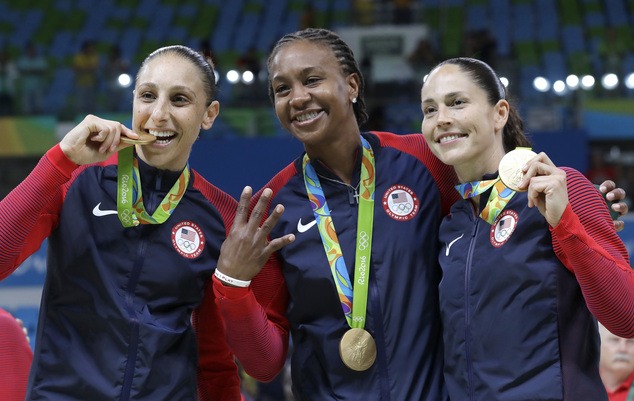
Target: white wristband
x=230, y=280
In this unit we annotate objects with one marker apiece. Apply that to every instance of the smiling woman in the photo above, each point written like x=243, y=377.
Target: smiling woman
x=530, y=267
x=134, y=236
x=359, y=205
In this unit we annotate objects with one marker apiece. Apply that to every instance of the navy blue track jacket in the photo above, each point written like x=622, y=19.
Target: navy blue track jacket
x=116, y=313
x=516, y=324
x=402, y=308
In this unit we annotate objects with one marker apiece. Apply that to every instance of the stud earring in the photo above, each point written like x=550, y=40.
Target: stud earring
x=354, y=100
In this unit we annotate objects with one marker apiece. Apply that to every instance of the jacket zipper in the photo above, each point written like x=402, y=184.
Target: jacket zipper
x=467, y=317
x=133, y=348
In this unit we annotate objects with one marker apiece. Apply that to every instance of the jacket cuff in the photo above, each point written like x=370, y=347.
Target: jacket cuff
x=60, y=161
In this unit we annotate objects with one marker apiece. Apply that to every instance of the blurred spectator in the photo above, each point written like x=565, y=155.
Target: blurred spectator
x=363, y=12
x=254, y=91
x=422, y=59
x=617, y=365
x=308, y=19
x=250, y=61
x=207, y=52
x=32, y=68
x=15, y=359
x=626, y=181
x=119, y=98
x=402, y=12
x=482, y=46
x=612, y=50
x=599, y=170
x=86, y=66
x=8, y=78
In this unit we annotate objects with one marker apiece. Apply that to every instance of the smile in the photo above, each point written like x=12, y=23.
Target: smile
x=163, y=137
x=307, y=116
x=449, y=138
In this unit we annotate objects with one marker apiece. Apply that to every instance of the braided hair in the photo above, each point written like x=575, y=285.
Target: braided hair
x=342, y=53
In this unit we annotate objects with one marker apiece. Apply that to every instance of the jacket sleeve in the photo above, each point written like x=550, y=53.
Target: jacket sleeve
x=15, y=359
x=30, y=212
x=218, y=378
x=587, y=244
x=255, y=319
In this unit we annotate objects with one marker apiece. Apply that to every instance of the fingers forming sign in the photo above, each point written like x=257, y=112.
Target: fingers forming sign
x=248, y=246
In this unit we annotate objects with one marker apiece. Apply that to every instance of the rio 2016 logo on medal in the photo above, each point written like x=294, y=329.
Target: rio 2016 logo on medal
x=503, y=227
x=400, y=202
x=188, y=239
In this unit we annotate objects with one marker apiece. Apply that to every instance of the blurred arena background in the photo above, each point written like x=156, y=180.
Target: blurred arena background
x=568, y=64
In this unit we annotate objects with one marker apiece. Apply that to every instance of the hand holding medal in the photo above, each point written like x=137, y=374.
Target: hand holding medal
x=94, y=140
x=144, y=139
x=545, y=183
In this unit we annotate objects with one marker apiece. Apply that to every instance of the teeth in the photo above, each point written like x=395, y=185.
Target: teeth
x=449, y=138
x=162, y=134
x=307, y=116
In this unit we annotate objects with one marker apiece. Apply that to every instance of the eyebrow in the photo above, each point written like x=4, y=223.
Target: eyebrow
x=177, y=88
x=304, y=71
x=447, y=96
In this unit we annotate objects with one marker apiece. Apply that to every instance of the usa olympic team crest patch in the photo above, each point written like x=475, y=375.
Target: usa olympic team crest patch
x=188, y=239
x=400, y=202
x=503, y=227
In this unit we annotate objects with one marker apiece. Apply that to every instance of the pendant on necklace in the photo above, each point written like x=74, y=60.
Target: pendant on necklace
x=353, y=195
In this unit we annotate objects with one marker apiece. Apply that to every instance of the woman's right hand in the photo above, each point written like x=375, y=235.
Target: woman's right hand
x=247, y=248
x=94, y=140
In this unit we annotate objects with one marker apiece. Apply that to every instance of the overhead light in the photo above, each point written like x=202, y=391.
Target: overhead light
x=124, y=80
x=629, y=80
x=559, y=87
x=587, y=82
x=610, y=81
x=541, y=84
x=247, y=77
x=233, y=76
x=572, y=81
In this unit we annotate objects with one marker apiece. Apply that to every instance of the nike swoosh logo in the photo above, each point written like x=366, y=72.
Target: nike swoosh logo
x=99, y=213
x=451, y=243
x=302, y=228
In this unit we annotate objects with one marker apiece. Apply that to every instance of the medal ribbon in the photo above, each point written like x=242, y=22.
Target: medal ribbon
x=353, y=303
x=130, y=198
x=500, y=196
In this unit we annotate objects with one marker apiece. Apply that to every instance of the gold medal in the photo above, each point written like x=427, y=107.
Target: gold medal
x=511, y=165
x=144, y=139
x=357, y=349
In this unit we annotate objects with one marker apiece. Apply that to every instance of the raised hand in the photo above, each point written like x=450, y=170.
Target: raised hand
x=247, y=247
x=94, y=140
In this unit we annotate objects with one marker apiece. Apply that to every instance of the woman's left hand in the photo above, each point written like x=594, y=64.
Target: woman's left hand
x=546, y=187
